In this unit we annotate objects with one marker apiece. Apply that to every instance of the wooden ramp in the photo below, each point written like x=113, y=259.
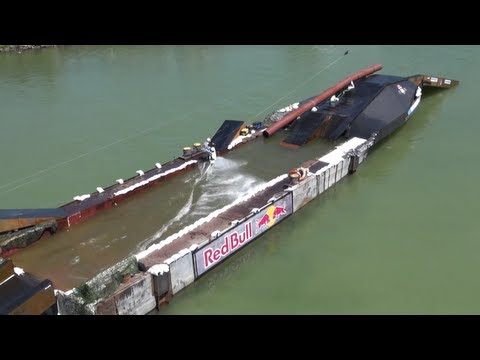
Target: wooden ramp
x=11, y=219
x=229, y=130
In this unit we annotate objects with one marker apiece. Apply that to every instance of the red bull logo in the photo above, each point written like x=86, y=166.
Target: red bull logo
x=271, y=215
x=230, y=243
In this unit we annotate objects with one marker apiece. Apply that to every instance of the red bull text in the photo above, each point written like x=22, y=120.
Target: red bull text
x=230, y=243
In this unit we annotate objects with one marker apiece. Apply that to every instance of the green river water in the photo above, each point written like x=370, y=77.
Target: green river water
x=398, y=237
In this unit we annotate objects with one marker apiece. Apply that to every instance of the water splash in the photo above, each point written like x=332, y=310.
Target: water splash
x=219, y=184
x=181, y=213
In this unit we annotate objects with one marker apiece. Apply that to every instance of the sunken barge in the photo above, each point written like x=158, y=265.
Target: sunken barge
x=358, y=112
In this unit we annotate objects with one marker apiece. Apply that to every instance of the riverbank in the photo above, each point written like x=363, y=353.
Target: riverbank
x=21, y=48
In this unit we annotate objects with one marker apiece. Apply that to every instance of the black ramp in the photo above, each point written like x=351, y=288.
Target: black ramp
x=305, y=128
x=386, y=112
x=352, y=103
x=226, y=133
x=19, y=289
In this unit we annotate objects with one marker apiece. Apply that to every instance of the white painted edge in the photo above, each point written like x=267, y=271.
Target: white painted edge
x=4, y=281
x=154, y=177
x=81, y=197
x=193, y=247
x=239, y=139
x=159, y=269
x=177, y=256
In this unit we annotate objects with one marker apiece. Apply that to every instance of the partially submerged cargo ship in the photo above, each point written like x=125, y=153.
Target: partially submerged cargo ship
x=358, y=112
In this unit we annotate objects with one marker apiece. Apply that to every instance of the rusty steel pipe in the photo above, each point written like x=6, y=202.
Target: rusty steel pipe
x=287, y=119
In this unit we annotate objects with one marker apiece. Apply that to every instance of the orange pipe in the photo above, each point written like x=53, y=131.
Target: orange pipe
x=287, y=119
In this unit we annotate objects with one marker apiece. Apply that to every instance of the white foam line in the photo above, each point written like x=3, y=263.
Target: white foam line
x=181, y=213
x=206, y=219
x=154, y=177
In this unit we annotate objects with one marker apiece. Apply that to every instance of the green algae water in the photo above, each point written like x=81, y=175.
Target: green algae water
x=398, y=237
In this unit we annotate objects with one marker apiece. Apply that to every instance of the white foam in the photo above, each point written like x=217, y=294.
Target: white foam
x=18, y=271
x=289, y=107
x=154, y=177
x=159, y=269
x=180, y=215
x=81, y=197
